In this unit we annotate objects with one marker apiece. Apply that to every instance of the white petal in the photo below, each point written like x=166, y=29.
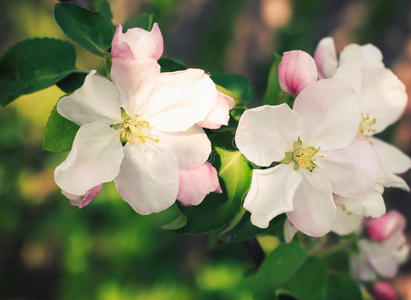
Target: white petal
x=95, y=158
x=176, y=101
x=370, y=205
x=192, y=147
x=129, y=77
x=393, y=159
x=265, y=133
x=365, y=56
x=271, y=193
x=314, y=210
x=371, y=56
x=380, y=258
x=382, y=96
x=148, y=178
x=347, y=223
x=96, y=100
x=326, y=58
x=289, y=231
x=394, y=181
x=330, y=114
x=352, y=171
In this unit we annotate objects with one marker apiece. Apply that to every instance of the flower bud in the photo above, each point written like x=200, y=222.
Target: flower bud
x=137, y=43
x=384, y=290
x=296, y=70
x=384, y=227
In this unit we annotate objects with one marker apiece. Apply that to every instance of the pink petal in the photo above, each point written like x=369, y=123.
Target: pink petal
x=384, y=290
x=196, y=183
x=296, y=70
x=219, y=114
x=382, y=228
x=326, y=58
x=137, y=43
x=83, y=200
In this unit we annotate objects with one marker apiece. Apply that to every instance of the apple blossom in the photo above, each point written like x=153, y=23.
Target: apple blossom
x=296, y=70
x=156, y=126
x=383, y=257
x=384, y=290
x=135, y=54
x=382, y=99
x=318, y=151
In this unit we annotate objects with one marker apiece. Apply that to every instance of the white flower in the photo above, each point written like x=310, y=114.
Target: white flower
x=382, y=99
x=156, y=124
x=319, y=155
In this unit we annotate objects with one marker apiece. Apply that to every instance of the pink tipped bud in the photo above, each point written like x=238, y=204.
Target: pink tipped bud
x=384, y=227
x=296, y=70
x=384, y=290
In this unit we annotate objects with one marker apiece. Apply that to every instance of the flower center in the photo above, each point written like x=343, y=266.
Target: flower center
x=302, y=156
x=366, y=127
x=134, y=130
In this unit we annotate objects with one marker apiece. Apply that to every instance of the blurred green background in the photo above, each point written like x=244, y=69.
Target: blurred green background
x=50, y=250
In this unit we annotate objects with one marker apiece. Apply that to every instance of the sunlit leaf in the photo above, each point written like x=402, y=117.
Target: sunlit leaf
x=88, y=28
x=33, y=65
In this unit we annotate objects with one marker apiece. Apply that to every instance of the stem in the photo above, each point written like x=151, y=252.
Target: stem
x=341, y=246
x=255, y=251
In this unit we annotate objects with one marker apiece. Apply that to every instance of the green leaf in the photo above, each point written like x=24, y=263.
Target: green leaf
x=72, y=82
x=217, y=210
x=245, y=230
x=177, y=223
x=308, y=282
x=103, y=7
x=234, y=85
x=33, y=65
x=169, y=65
x=144, y=21
x=60, y=133
x=288, y=270
x=88, y=28
x=340, y=287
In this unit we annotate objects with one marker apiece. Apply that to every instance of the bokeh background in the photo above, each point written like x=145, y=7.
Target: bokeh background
x=50, y=250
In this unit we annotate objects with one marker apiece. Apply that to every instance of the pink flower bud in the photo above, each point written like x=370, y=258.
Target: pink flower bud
x=296, y=70
x=137, y=43
x=384, y=227
x=384, y=290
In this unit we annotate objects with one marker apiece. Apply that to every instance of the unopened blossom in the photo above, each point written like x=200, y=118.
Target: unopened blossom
x=382, y=99
x=318, y=154
x=296, y=70
x=381, y=229
x=382, y=258
x=135, y=55
x=140, y=142
x=383, y=290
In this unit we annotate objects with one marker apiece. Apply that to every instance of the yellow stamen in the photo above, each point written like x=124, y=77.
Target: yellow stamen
x=366, y=127
x=134, y=130
x=302, y=156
